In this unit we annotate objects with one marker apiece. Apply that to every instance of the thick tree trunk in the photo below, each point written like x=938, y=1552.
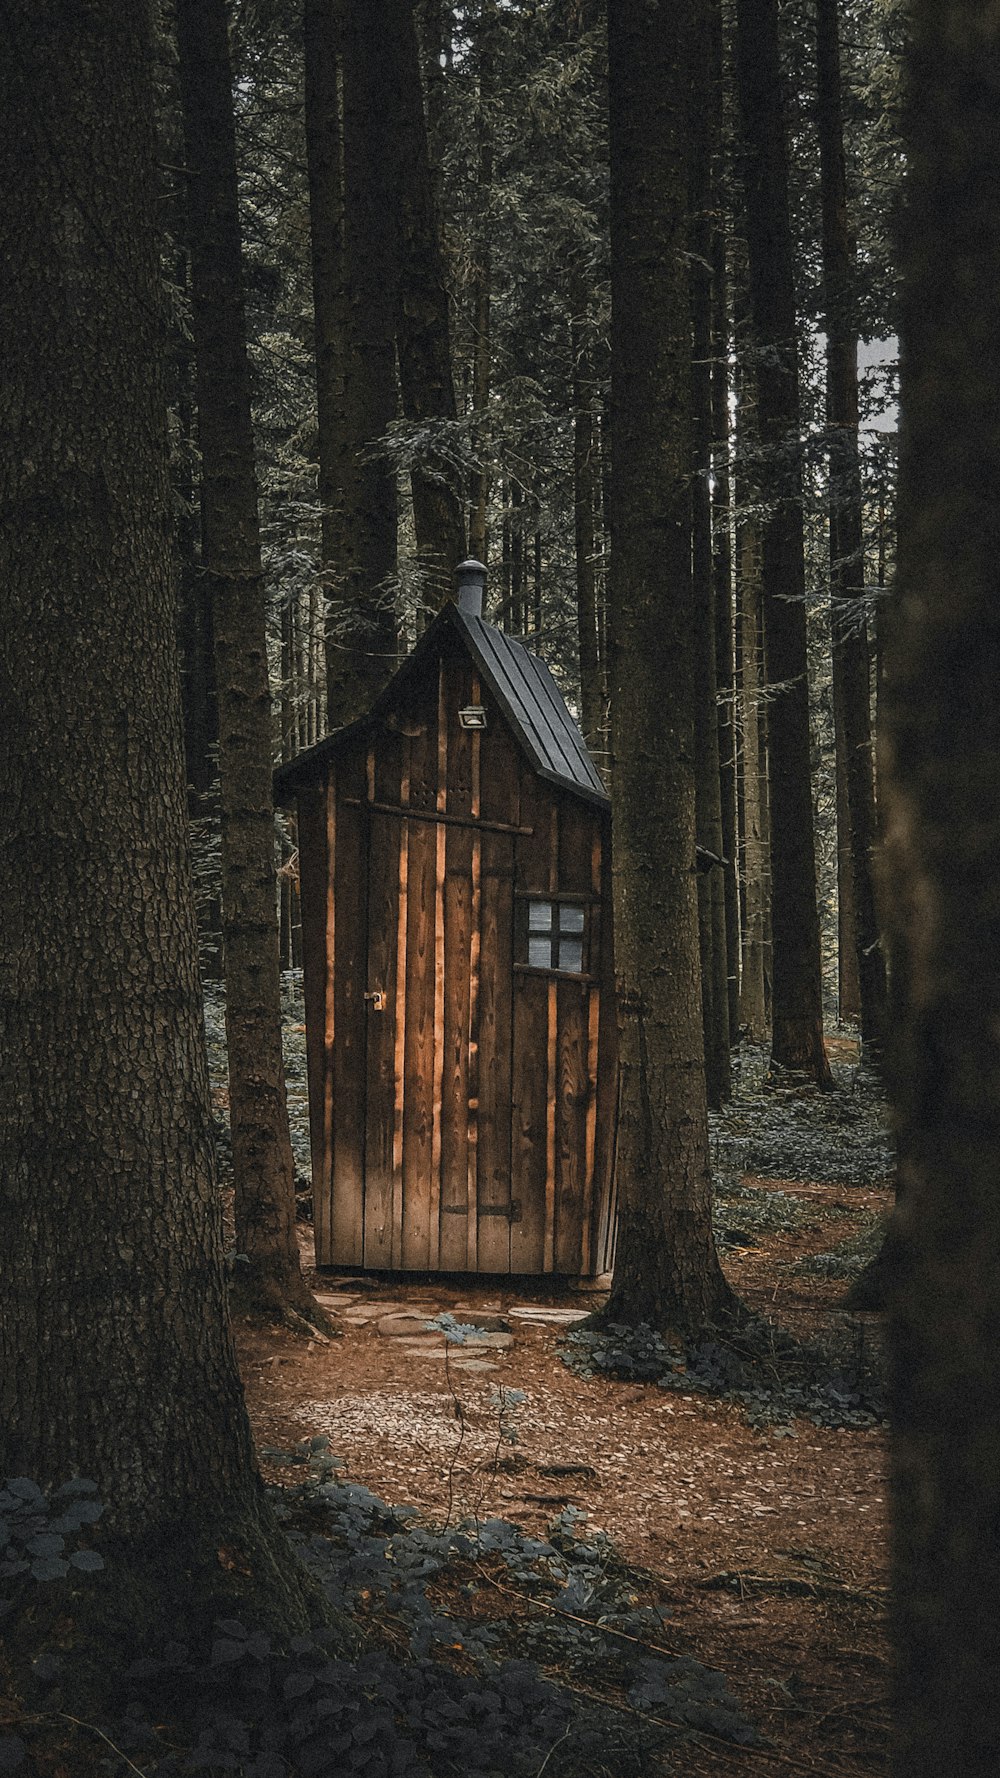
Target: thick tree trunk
x=262, y=1153
x=797, y=1019
x=115, y=1355
x=942, y=841
x=725, y=661
x=852, y=684
x=708, y=783
x=362, y=634
x=321, y=35
x=666, y=1269
x=584, y=503
x=423, y=328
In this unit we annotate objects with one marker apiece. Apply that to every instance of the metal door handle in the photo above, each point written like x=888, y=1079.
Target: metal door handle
x=377, y=998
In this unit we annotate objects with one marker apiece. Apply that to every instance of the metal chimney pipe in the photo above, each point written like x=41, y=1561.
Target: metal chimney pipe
x=471, y=578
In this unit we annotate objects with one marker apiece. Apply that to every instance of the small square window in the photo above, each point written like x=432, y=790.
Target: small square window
x=555, y=937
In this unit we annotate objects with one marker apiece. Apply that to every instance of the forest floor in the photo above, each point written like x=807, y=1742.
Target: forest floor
x=760, y=1535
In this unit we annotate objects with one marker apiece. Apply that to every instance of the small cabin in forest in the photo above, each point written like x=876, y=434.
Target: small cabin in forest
x=454, y=849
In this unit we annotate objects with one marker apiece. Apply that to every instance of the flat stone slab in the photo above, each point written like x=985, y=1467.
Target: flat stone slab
x=475, y=1364
x=486, y=1323
x=549, y=1317
x=393, y=1327
x=434, y=1348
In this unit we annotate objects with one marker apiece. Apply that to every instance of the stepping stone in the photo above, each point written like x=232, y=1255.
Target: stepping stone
x=498, y=1341
x=486, y=1323
x=393, y=1327
x=474, y=1364
x=550, y=1317
x=416, y=1348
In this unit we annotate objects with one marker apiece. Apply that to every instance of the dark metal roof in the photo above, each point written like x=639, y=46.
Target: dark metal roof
x=523, y=687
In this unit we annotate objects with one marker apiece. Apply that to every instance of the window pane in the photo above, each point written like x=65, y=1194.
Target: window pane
x=540, y=952
x=570, y=919
x=571, y=954
x=540, y=916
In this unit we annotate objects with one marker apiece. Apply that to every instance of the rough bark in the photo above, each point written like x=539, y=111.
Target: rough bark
x=666, y=1269
x=942, y=784
x=362, y=636
x=423, y=326
x=725, y=654
x=321, y=32
x=262, y=1152
x=755, y=971
x=584, y=504
x=115, y=1355
x=797, y=1017
x=852, y=683
x=708, y=782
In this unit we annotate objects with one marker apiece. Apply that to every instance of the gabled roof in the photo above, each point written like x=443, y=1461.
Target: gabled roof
x=521, y=684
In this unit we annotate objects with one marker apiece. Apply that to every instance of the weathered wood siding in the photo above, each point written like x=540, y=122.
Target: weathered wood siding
x=466, y=1124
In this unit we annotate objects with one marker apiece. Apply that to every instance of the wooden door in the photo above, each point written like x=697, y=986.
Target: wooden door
x=437, y=1193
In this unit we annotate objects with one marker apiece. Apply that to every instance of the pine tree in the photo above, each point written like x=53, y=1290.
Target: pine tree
x=115, y=1355
x=666, y=1268
x=262, y=1154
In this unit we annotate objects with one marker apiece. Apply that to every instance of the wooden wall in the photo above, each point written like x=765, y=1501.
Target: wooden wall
x=468, y=1125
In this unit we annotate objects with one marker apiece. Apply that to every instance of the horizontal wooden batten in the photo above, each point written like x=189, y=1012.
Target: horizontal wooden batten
x=411, y=814
x=557, y=975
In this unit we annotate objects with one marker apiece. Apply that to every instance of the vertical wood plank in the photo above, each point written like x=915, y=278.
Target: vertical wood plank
x=314, y=873
x=534, y=866
x=386, y=847
x=324, y=1218
x=399, y=1082
x=528, y=1115
x=455, y=1064
x=441, y=804
x=419, y=1058
x=475, y=944
x=551, y=1097
x=347, y=1065
x=572, y=1101
x=434, y=1208
x=495, y=1044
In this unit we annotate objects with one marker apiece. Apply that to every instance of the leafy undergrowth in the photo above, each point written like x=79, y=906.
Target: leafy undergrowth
x=775, y=1378
x=486, y=1653
x=793, y=1131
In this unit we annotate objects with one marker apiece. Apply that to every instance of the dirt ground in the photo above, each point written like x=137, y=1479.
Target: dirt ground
x=771, y=1548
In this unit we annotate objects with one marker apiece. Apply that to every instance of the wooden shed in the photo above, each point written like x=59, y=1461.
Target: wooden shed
x=456, y=923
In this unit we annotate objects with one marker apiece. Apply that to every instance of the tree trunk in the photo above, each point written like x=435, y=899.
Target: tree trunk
x=852, y=684
x=262, y=1153
x=755, y=973
x=362, y=636
x=116, y=1361
x=725, y=665
x=321, y=43
x=423, y=328
x=584, y=502
x=708, y=783
x=482, y=281
x=797, y=1019
x=942, y=843
x=666, y=1269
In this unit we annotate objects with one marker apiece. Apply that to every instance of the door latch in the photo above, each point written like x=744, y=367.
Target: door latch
x=377, y=998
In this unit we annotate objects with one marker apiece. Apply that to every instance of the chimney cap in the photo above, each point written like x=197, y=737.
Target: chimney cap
x=471, y=577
